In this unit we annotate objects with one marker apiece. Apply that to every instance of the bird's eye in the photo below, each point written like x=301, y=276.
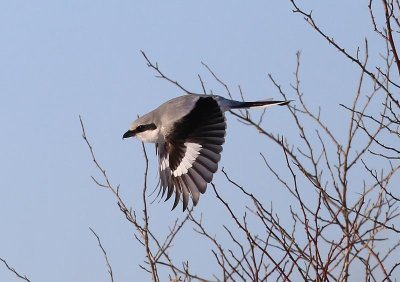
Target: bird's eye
x=140, y=128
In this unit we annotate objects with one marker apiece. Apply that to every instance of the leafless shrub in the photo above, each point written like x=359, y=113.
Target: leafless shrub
x=345, y=201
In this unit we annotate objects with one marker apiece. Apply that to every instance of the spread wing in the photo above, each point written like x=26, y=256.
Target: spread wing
x=189, y=158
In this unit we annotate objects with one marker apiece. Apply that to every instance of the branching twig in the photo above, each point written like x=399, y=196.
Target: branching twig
x=109, y=268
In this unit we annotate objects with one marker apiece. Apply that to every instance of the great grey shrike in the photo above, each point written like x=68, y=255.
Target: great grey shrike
x=188, y=132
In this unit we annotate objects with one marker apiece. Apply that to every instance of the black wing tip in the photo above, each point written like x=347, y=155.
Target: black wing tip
x=185, y=196
x=184, y=207
x=169, y=194
x=177, y=197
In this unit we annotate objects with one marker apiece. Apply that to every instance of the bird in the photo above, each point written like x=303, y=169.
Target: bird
x=188, y=132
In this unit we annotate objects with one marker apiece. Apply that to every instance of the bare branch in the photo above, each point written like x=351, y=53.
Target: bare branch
x=10, y=268
x=109, y=268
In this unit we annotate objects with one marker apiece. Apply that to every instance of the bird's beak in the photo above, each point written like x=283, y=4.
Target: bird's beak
x=129, y=133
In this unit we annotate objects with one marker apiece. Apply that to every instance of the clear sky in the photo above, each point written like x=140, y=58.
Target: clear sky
x=62, y=59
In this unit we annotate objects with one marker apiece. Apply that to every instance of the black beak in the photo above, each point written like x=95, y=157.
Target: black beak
x=129, y=133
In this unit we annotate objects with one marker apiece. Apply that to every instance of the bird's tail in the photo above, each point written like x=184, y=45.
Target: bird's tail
x=258, y=104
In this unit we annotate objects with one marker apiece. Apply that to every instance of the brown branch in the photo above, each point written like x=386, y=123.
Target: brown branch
x=309, y=19
x=130, y=215
x=390, y=36
x=145, y=232
x=155, y=67
x=109, y=268
x=10, y=268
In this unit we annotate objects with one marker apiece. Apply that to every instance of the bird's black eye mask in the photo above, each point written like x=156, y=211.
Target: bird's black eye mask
x=140, y=128
x=145, y=127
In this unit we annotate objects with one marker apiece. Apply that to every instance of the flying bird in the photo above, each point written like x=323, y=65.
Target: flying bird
x=188, y=132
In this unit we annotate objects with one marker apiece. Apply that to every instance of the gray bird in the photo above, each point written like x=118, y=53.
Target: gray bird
x=188, y=132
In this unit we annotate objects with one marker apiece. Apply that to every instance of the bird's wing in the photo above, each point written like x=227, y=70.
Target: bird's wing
x=164, y=169
x=189, y=158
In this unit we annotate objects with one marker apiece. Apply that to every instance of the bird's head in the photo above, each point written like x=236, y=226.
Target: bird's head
x=145, y=129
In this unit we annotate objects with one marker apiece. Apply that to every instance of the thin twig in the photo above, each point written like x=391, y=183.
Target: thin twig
x=109, y=268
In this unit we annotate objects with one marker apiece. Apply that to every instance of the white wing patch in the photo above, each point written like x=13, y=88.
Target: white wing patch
x=164, y=162
x=191, y=154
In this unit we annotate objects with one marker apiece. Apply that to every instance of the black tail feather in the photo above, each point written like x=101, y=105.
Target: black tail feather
x=259, y=104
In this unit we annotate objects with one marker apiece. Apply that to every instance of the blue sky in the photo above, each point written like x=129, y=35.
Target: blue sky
x=62, y=59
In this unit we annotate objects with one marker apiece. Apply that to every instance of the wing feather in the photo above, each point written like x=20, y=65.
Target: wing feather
x=191, y=154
